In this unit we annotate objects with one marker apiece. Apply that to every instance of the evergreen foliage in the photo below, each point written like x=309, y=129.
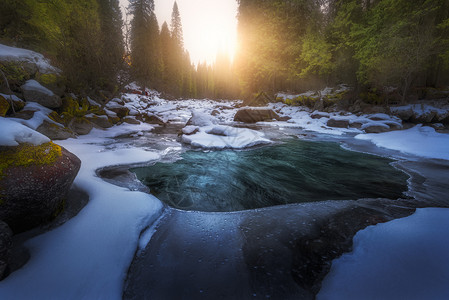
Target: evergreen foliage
x=75, y=34
x=373, y=44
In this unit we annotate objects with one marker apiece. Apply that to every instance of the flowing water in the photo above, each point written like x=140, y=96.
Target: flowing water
x=292, y=172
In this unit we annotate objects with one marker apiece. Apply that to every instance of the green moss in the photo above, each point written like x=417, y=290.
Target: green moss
x=371, y=98
x=4, y=106
x=15, y=73
x=73, y=109
x=48, y=79
x=26, y=155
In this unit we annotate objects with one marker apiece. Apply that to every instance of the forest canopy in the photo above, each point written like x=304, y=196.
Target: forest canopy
x=284, y=45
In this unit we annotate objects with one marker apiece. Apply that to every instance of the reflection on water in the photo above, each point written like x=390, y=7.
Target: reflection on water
x=296, y=171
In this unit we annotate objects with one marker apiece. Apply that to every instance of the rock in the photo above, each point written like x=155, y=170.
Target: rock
x=34, y=181
x=215, y=112
x=356, y=124
x=81, y=125
x=4, y=106
x=404, y=113
x=5, y=248
x=130, y=120
x=55, y=132
x=34, y=92
x=338, y=123
x=100, y=121
x=253, y=115
x=24, y=114
x=376, y=128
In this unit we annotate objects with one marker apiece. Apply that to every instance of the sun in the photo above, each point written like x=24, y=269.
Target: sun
x=210, y=27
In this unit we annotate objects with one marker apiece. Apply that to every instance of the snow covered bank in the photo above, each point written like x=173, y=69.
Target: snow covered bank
x=14, y=133
x=88, y=257
x=420, y=140
x=403, y=259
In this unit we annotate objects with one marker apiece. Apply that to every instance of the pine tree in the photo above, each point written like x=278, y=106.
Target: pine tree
x=176, y=27
x=145, y=44
x=113, y=47
x=177, y=53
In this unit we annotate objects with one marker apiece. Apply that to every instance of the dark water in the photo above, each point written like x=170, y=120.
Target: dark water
x=293, y=172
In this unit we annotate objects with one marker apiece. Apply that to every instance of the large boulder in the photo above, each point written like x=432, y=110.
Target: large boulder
x=34, y=181
x=33, y=91
x=253, y=115
x=5, y=247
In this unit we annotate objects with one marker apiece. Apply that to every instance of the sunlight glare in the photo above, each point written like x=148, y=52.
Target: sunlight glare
x=209, y=26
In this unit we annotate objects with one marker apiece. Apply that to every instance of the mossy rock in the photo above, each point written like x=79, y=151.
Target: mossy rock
x=34, y=181
x=4, y=106
x=15, y=73
x=27, y=154
x=53, y=82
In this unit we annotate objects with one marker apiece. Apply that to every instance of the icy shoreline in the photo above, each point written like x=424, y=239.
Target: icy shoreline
x=88, y=257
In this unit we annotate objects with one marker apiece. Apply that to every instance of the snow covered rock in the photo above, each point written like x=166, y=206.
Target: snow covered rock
x=33, y=91
x=5, y=247
x=421, y=113
x=253, y=115
x=190, y=129
x=30, y=60
x=201, y=119
x=34, y=181
x=223, y=137
x=375, y=127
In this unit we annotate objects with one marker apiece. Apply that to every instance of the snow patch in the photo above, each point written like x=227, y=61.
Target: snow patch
x=402, y=259
x=420, y=140
x=33, y=85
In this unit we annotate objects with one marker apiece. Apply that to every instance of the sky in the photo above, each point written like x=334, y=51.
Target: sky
x=209, y=26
